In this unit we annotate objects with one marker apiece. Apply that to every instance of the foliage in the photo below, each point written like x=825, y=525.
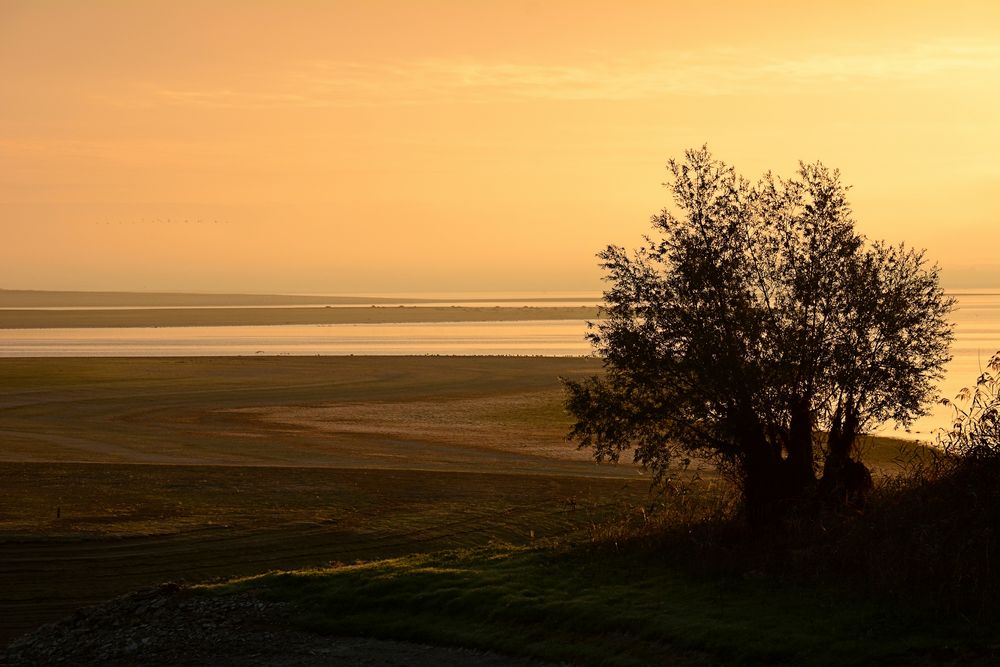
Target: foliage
x=755, y=319
x=975, y=432
x=930, y=533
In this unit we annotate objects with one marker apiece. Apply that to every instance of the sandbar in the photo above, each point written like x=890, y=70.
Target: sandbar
x=206, y=317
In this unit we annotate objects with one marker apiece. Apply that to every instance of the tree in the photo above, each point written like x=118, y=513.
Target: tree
x=760, y=330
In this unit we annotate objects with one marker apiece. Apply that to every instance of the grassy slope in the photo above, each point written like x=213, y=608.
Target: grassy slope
x=601, y=607
x=122, y=527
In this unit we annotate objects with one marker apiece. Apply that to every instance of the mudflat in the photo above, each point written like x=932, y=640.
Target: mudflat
x=26, y=318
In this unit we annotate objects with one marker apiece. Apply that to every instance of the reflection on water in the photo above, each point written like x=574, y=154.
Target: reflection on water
x=548, y=338
x=977, y=337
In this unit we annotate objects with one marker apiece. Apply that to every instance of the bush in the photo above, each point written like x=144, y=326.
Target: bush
x=975, y=432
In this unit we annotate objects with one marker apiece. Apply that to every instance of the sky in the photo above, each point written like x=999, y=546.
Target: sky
x=400, y=146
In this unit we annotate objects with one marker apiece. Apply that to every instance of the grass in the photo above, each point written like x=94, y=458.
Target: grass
x=125, y=526
x=893, y=456
x=599, y=606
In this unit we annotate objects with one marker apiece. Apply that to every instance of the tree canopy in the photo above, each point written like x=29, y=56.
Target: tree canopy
x=758, y=328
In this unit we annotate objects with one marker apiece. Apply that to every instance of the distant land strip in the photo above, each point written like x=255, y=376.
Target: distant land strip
x=79, y=299
x=214, y=317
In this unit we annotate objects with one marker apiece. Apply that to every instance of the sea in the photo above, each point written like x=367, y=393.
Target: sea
x=977, y=338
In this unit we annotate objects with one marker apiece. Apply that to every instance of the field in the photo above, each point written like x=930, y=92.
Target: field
x=123, y=473
x=120, y=473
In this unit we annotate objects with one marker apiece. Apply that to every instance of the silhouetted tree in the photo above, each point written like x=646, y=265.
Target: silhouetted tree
x=760, y=330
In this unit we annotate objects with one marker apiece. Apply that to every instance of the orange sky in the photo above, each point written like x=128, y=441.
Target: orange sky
x=409, y=146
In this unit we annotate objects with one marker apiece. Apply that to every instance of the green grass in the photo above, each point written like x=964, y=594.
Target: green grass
x=598, y=606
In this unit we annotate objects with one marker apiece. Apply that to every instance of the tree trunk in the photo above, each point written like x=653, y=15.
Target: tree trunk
x=780, y=478
x=846, y=481
x=762, y=476
x=799, y=461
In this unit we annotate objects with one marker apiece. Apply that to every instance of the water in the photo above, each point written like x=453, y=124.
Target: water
x=548, y=338
x=385, y=300
x=977, y=337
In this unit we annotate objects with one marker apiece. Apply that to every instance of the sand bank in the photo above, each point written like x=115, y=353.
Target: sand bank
x=206, y=317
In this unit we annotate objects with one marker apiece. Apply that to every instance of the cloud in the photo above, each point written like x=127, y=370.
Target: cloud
x=708, y=73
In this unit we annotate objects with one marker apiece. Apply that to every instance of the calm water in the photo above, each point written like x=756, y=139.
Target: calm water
x=977, y=338
x=548, y=338
x=388, y=300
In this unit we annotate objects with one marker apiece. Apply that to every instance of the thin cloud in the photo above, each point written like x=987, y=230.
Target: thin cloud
x=716, y=73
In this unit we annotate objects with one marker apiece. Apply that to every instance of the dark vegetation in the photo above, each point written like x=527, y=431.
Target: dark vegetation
x=606, y=607
x=758, y=329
